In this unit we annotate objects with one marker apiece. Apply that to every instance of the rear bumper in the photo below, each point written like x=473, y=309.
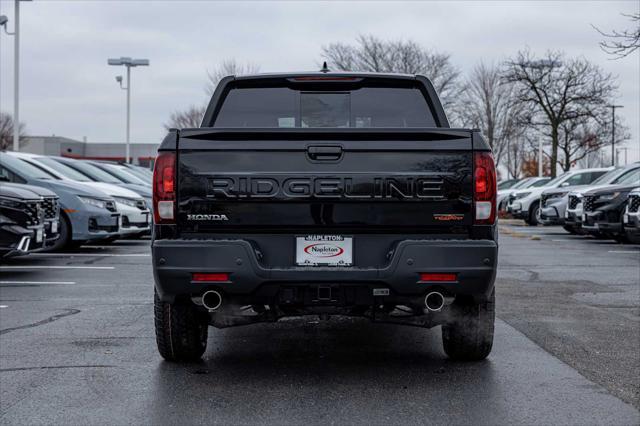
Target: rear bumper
x=174, y=262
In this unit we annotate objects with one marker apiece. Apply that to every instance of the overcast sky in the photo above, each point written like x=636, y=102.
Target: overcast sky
x=67, y=88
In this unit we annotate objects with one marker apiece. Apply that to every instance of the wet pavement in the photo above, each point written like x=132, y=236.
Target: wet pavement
x=77, y=346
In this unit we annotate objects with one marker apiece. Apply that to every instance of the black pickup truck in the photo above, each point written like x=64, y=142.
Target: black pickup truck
x=324, y=194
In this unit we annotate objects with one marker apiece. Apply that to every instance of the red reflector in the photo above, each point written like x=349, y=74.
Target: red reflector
x=222, y=276
x=438, y=277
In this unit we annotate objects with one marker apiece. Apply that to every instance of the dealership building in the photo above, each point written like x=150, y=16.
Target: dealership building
x=141, y=153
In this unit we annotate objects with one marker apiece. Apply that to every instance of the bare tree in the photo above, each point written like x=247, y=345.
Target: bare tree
x=581, y=137
x=515, y=157
x=489, y=103
x=373, y=54
x=6, y=132
x=228, y=67
x=189, y=118
x=192, y=116
x=557, y=90
x=622, y=43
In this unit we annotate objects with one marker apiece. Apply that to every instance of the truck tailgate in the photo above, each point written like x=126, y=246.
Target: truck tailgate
x=287, y=180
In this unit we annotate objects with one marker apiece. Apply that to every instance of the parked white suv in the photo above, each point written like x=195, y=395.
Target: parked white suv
x=525, y=203
x=503, y=194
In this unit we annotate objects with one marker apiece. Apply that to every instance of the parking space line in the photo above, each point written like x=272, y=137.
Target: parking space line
x=625, y=251
x=39, y=282
x=2, y=268
x=3, y=306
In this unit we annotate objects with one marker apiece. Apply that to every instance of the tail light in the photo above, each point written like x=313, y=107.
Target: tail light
x=164, y=181
x=484, y=193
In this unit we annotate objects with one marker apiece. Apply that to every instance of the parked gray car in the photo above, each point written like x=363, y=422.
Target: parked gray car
x=141, y=172
x=96, y=174
x=120, y=172
x=86, y=214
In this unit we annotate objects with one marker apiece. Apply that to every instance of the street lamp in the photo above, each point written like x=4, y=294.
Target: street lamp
x=129, y=63
x=16, y=71
x=613, y=132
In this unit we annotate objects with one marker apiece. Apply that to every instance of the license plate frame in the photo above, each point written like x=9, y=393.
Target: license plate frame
x=324, y=250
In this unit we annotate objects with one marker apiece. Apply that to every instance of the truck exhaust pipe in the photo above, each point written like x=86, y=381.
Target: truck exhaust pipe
x=434, y=301
x=212, y=300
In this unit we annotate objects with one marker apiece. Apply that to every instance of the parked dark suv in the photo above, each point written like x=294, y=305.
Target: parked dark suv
x=604, y=208
x=51, y=207
x=21, y=221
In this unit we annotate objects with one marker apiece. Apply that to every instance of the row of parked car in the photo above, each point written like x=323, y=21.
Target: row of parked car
x=50, y=203
x=603, y=202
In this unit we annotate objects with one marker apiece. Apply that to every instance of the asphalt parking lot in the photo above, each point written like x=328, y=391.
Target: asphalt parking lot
x=77, y=346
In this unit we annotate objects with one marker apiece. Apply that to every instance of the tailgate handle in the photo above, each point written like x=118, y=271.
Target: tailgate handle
x=324, y=153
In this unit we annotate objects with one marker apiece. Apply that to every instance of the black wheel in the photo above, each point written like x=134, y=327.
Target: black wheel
x=64, y=237
x=571, y=230
x=534, y=214
x=470, y=336
x=181, y=332
x=74, y=244
x=621, y=238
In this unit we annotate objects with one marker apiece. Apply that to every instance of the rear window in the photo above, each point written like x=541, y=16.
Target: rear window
x=363, y=107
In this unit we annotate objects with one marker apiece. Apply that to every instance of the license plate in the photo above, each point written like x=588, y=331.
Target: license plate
x=54, y=227
x=39, y=235
x=324, y=250
x=625, y=218
x=584, y=217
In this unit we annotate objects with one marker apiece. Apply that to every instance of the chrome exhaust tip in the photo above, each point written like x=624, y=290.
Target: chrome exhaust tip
x=212, y=300
x=434, y=301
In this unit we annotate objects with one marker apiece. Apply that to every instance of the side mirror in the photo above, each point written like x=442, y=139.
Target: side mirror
x=4, y=178
x=563, y=184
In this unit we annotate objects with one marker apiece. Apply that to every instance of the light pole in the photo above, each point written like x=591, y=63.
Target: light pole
x=613, y=132
x=128, y=62
x=16, y=72
x=540, y=157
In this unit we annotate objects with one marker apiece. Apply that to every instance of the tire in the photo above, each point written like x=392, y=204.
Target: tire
x=470, y=336
x=181, y=333
x=622, y=237
x=534, y=214
x=64, y=237
x=571, y=230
